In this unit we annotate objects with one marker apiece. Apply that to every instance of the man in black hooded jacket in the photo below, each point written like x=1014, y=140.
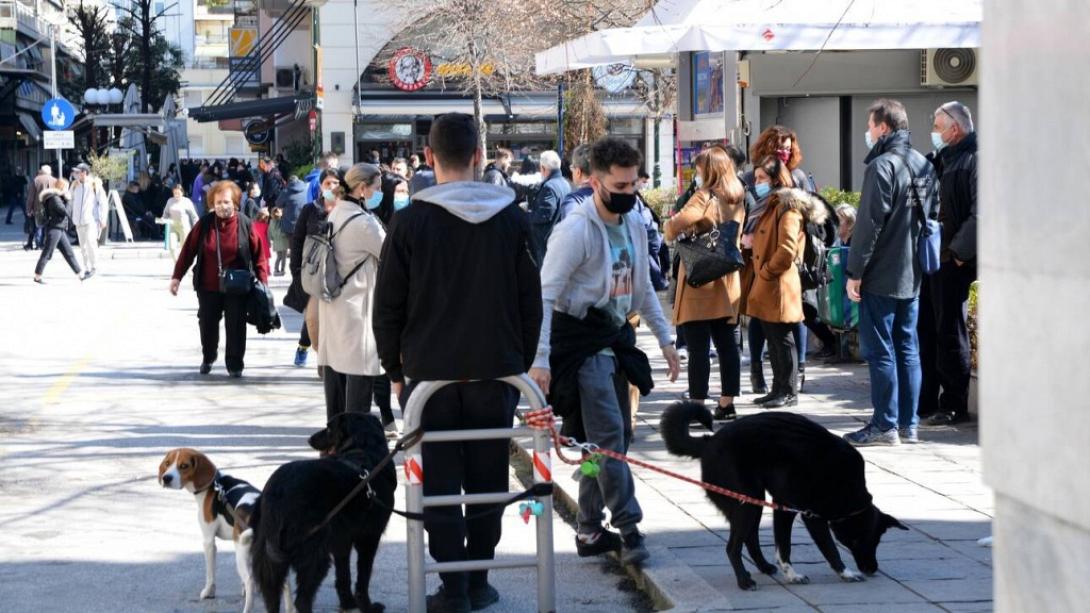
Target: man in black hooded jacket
x=458, y=298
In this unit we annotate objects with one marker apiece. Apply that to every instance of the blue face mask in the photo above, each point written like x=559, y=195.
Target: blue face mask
x=375, y=200
x=867, y=138
x=762, y=189
x=936, y=141
x=401, y=201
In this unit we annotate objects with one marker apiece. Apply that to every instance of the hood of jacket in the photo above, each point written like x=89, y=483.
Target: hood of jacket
x=51, y=191
x=472, y=201
x=895, y=142
x=810, y=205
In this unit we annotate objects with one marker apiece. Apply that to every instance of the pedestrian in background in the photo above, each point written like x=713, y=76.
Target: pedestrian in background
x=496, y=171
x=34, y=208
x=221, y=240
x=954, y=139
x=346, y=343
x=89, y=207
x=545, y=208
x=884, y=273
x=709, y=313
x=181, y=216
x=310, y=221
x=459, y=254
x=278, y=241
x=313, y=178
x=57, y=216
x=14, y=187
x=582, y=191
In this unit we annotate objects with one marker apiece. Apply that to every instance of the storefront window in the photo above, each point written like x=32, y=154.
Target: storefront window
x=384, y=131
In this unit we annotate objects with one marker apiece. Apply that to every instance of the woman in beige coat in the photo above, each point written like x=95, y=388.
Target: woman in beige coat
x=709, y=313
x=346, y=343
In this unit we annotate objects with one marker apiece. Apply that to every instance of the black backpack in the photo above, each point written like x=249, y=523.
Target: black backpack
x=813, y=269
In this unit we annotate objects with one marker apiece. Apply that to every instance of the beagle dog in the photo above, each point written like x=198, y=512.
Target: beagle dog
x=224, y=508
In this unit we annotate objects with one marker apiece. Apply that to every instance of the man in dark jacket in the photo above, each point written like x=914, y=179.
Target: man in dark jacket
x=291, y=200
x=884, y=272
x=947, y=338
x=271, y=181
x=423, y=178
x=496, y=172
x=459, y=299
x=545, y=209
x=580, y=170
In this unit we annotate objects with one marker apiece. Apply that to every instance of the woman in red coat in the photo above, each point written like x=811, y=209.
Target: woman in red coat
x=222, y=240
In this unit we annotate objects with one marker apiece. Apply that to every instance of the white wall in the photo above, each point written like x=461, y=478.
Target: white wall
x=339, y=73
x=1035, y=416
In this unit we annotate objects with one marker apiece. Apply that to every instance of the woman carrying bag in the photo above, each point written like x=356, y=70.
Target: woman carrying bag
x=228, y=255
x=709, y=313
x=346, y=342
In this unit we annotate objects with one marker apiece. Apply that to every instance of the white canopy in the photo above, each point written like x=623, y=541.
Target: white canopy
x=674, y=26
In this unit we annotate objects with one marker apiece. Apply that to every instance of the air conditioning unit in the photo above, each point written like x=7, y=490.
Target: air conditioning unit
x=285, y=78
x=949, y=67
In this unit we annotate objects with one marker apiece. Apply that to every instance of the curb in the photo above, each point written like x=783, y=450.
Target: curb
x=669, y=583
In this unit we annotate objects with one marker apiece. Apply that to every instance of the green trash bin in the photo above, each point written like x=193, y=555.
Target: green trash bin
x=834, y=308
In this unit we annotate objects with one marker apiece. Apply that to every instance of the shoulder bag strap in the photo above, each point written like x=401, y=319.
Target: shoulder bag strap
x=219, y=260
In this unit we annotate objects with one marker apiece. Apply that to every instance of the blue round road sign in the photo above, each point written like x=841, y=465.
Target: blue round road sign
x=58, y=114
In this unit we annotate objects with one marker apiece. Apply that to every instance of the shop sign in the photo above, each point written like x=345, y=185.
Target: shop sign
x=449, y=70
x=409, y=69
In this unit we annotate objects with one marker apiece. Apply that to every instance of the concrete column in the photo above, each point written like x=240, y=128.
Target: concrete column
x=1035, y=288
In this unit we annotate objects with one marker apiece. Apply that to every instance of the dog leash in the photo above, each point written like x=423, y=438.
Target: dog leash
x=408, y=440
x=536, y=490
x=544, y=419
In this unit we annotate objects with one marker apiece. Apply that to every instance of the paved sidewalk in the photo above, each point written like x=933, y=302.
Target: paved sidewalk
x=935, y=488
x=99, y=380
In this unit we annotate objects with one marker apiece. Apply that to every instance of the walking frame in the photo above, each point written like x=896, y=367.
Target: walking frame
x=417, y=502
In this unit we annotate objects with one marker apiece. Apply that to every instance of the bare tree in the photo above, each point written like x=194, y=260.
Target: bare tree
x=154, y=60
x=89, y=24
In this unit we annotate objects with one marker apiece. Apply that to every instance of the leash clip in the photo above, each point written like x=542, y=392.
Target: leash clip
x=370, y=493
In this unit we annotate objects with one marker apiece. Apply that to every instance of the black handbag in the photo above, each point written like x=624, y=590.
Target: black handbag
x=711, y=255
x=233, y=281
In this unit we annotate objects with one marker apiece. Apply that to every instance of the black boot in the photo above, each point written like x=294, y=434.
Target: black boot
x=757, y=379
x=802, y=377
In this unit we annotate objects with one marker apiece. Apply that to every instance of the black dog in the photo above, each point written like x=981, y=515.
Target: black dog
x=803, y=466
x=298, y=497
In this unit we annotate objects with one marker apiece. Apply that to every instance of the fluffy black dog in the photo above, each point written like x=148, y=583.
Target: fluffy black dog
x=803, y=466
x=299, y=495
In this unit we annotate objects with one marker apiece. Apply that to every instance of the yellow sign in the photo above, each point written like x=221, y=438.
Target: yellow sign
x=242, y=41
x=462, y=69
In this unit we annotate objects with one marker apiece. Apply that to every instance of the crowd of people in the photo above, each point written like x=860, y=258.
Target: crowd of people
x=448, y=274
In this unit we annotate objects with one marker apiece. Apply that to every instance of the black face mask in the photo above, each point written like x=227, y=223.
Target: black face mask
x=619, y=203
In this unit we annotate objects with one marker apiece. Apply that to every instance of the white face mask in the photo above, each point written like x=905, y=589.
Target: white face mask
x=699, y=181
x=936, y=141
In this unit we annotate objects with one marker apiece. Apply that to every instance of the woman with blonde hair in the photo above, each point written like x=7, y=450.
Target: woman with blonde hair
x=709, y=313
x=346, y=341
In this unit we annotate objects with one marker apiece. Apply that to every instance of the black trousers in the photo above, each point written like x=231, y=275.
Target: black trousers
x=784, y=356
x=473, y=467
x=721, y=332
x=56, y=239
x=818, y=327
x=382, y=398
x=346, y=393
x=211, y=308
x=304, y=336
x=926, y=332
x=949, y=293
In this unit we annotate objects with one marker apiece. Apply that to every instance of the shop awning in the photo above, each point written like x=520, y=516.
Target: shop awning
x=521, y=106
x=127, y=120
x=264, y=107
x=674, y=26
x=30, y=126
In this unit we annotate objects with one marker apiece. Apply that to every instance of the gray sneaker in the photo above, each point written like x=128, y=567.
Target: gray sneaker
x=871, y=436
x=633, y=551
x=909, y=435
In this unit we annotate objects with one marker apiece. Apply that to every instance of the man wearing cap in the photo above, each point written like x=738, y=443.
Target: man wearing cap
x=88, y=213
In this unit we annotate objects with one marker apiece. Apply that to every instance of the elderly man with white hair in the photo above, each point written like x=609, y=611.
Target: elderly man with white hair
x=545, y=209
x=947, y=337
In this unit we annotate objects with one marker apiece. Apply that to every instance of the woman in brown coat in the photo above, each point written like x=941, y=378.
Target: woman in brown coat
x=776, y=296
x=709, y=313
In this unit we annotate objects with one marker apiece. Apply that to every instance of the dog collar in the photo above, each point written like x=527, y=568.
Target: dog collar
x=212, y=483
x=849, y=515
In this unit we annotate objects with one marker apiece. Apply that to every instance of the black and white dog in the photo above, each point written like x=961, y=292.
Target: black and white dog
x=803, y=466
x=289, y=531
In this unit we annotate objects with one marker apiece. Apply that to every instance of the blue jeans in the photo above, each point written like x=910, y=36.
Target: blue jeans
x=887, y=336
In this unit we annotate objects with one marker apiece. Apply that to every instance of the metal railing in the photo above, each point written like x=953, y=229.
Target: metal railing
x=416, y=501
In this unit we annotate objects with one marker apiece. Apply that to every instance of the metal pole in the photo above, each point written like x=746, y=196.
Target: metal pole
x=53, y=80
x=560, y=119
x=359, y=96
x=414, y=494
